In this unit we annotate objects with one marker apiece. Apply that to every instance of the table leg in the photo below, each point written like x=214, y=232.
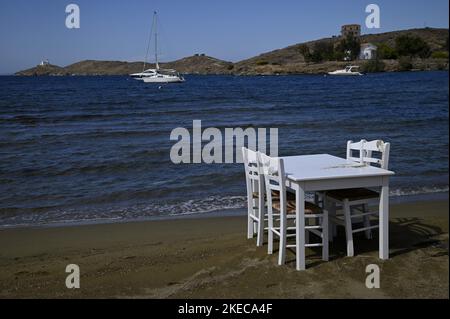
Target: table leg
x=300, y=227
x=384, y=219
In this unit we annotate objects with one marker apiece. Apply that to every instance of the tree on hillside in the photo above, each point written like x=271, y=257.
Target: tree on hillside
x=304, y=50
x=321, y=51
x=350, y=46
x=372, y=66
x=405, y=63
x=325, y=50
x=384, y=51
x=412, y=46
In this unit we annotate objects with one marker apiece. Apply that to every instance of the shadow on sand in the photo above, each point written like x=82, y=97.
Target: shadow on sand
x=406, y=235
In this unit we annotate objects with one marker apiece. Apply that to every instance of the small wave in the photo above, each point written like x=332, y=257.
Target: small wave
x=137, y=212
x=418, y=191
x=210, y=204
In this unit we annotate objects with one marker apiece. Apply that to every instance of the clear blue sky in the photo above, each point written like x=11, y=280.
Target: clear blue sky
x=231, y=30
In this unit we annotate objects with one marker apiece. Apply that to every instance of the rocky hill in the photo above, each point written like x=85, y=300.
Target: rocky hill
x=198, y=64
x=42, y=70
x=91, y=67
x=288, y=60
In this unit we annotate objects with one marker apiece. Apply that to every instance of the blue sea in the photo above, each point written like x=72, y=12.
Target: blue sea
x=97, y=149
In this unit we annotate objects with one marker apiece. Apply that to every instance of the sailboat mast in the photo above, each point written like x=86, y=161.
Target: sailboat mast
x=156, y=40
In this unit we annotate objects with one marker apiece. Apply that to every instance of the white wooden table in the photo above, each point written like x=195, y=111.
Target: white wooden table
x=325, y=172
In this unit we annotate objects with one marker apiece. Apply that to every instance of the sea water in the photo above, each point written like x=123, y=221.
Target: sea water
x=94, y=149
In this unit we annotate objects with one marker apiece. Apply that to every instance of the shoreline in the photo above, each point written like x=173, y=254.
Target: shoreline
x=234, y=212
x=212, y=258
x=262, y=74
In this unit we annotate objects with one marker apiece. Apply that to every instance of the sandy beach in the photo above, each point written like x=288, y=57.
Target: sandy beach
x=211, y=258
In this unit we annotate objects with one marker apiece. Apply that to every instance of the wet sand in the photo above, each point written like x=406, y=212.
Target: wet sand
x=211, y=258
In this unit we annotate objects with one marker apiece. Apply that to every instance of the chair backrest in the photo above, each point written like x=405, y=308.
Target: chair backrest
x=377, y=153
x=355, y=147
x=272, y=168
x=371, y=153
x=253, y=178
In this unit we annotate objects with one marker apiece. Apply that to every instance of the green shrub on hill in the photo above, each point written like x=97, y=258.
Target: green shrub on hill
x=412, y=46
x=322, y=51
x=373, y=66
x=405, y=64
x=350, y=47
x=384, y=51
x=445, y=46
x=439, y=55
x=304, y=50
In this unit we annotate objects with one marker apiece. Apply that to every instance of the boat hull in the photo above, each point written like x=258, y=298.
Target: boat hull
x=163, y=80
x=346, y=74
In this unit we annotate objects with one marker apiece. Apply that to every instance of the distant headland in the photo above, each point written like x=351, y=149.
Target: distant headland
x=413, y=49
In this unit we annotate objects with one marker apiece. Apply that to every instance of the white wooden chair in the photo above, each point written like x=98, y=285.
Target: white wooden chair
x=255, y=203
x=357, y=199
x=255, y=196
x=275, y=183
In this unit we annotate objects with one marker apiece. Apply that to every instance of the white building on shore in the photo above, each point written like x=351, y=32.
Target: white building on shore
x=368, y=51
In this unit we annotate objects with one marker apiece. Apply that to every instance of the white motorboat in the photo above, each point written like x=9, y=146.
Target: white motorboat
x=157, y=75
x=351, y=70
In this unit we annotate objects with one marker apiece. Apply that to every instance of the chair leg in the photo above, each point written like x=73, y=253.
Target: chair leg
x=256, y=212
x=283, y=238
x=261, y=213
x=348, y=228
x=335, y=230
x=332, y=229
x=319, y=199
x=325, y=236
x=366, y=221
x=270, y=233
x=307, y=223
x=316, y=199
x=250, y=220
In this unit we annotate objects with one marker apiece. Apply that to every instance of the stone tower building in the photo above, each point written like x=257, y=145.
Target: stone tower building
x=351, y=29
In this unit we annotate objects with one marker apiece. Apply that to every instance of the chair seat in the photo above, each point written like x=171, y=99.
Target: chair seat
x=310, y=208
x=276, y=195
x=353, y=194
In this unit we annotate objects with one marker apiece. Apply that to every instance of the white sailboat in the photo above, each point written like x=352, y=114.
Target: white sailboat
x=157, y=75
